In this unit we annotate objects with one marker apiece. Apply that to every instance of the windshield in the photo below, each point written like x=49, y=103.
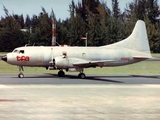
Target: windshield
x=18, y=51
x=15, y=51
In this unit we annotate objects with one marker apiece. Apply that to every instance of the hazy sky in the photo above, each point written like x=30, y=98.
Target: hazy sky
x=31, y=7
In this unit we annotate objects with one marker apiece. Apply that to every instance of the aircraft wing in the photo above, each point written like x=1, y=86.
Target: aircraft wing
x=91, y=63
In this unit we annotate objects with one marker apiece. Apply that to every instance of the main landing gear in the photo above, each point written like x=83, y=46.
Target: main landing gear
x=81, y=75
x=61, y=73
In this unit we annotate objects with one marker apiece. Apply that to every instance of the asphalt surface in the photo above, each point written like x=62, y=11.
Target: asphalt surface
x=52, y=79
x=109, y=97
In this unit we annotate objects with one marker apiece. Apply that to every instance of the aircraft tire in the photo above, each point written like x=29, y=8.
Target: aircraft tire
x=21, y=75
x=61, y=73
x=82, y=75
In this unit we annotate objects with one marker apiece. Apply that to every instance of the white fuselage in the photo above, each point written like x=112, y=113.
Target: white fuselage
x=41, y=56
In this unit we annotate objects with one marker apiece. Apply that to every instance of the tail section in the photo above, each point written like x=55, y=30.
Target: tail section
x=138, y=40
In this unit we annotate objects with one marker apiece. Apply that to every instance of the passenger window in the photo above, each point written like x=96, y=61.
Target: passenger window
x=64, y=54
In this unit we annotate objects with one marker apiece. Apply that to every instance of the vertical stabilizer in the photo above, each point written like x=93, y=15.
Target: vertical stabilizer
x=138, y=40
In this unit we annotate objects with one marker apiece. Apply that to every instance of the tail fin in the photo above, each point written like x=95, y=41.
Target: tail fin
x=138, y=40
x=139, y=37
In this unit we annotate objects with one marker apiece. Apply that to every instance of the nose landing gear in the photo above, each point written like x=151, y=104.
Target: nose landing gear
x=21, y=75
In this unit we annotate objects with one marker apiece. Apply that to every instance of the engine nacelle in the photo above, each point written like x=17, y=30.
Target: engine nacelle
x=61, y=62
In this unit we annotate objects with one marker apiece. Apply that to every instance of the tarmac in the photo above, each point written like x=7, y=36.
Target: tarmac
x=109, y=97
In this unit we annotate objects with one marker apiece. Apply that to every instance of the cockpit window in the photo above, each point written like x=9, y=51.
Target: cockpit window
x=21, y=51
x=18, y=51
x=15, y=51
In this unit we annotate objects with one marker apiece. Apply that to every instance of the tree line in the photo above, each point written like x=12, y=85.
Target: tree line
x=102, y=25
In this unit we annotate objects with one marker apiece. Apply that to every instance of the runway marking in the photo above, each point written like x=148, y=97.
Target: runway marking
x=80, y=86
x=4, y=86
x=153, y=85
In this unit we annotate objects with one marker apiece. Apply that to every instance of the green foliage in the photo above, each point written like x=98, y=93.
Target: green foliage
x=116, y=10
x=153, y=36
x=10, y=34
x=102, y=25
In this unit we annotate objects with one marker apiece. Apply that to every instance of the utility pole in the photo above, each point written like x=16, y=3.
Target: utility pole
x=53, y=32
x=86, y=39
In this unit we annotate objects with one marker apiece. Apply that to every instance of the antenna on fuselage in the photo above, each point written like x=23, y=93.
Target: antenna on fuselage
x=58, y=44
x=26, y=45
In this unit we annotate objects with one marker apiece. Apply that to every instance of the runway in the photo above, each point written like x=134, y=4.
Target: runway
x=52, y=79
x=107, y=97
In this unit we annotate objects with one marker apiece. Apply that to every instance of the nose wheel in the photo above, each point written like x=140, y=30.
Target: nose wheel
x=21, y=75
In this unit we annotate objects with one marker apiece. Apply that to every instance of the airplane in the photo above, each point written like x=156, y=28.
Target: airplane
x=133, y=49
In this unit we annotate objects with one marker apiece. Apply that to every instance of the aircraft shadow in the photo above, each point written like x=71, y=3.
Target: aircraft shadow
x=100, y=78
x=95, y=78
x=132, y=76
x=92, y=78
x=147, y=76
